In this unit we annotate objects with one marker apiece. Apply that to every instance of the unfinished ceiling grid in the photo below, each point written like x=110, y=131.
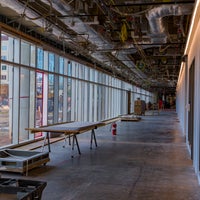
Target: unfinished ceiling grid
x=141, y=42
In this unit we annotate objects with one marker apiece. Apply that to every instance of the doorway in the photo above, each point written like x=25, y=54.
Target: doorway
x=191, y=110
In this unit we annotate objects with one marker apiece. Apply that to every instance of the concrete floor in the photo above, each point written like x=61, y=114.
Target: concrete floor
x=146, y=160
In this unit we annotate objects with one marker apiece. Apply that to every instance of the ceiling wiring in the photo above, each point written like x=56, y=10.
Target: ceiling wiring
x=142, y=42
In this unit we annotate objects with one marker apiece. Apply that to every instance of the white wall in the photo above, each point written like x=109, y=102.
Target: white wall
x=193, y=53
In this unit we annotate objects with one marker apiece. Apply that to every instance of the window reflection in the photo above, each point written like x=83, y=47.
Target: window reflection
x=50, y=98
x=5, y=109
x=39, y=98
x=46, y=88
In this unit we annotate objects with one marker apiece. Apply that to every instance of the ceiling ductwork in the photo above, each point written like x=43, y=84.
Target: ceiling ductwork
x=41, y=24
x=134, y=41
x=77, y=24
x=96, y=39
x=155, y=17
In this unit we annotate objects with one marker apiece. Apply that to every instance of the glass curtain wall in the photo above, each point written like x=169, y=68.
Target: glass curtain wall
x=39, y=87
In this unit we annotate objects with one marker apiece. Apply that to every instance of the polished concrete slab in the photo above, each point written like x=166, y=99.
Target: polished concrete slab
x=146, y=160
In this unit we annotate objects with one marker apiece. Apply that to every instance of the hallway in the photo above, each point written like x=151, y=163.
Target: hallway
x=146, y=160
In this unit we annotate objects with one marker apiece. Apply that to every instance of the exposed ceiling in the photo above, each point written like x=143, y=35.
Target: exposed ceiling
x=139, y=41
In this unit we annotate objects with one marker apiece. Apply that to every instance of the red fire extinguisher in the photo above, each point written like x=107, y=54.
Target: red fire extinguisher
x=114, y=128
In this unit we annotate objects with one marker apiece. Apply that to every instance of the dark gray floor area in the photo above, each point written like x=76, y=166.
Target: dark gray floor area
x=146, y=160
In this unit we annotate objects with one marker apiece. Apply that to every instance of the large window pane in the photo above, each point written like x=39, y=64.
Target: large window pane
x=50, y=98
x=4, y=47
x=60, y=100
x=16, y=50
x=32, y=105
x=32, y=63
x=61, y=65
x=24, y=104
x=25, y=53
x=69, y=91
x=9, y=47
x=39, y=98
x=61, y=89
x=15, y=104
x=5, y=107
x=40, y=58
x=51, y=62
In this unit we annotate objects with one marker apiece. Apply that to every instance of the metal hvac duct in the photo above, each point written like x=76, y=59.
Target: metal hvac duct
x=155, y=18
x=94, y=37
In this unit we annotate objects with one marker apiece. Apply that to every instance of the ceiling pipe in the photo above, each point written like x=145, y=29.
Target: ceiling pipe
x=76, y=24
x=19, y=8
x=95, y=38
x=142, y=3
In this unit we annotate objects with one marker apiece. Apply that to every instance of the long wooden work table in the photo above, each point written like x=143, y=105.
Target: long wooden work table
x=70, y=129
